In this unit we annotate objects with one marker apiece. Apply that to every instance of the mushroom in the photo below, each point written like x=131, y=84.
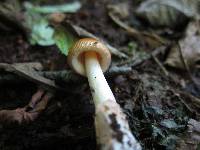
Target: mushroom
x=89, y=57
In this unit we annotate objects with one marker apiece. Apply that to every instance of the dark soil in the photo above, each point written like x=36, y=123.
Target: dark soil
x=68, y=121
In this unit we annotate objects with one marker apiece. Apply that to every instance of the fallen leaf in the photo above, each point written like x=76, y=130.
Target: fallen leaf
x=40, y=31
x=167, y=12
x=38, y=24
x=28, y=71
x=190, y=48
x=64, y=8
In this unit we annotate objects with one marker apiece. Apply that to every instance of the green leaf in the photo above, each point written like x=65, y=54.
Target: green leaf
x=64, y=8
x=63, y=39
x=41, y=33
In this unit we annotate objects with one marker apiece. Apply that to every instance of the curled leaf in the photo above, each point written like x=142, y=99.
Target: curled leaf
x=167, y=12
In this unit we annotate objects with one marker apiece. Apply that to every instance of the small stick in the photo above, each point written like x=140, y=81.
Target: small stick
x=64, y=75
x=138, y=61
x=160, y=65
x=135, y=33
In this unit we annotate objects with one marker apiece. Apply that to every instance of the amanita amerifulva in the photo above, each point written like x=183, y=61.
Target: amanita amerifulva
x=89, y=57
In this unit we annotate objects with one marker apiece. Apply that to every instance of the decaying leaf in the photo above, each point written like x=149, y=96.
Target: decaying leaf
x=40, y=31
x=190, y=48
x=29, y=112
x=167, y=12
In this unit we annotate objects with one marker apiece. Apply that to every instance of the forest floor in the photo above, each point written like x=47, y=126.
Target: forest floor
x=157, y=106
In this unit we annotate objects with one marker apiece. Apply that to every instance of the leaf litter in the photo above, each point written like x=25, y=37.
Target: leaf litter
x=190, y=49
x=159, y=114
x=166, y=12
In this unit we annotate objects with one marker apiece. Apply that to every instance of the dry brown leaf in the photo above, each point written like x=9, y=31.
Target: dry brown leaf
x=121, y=9
x=190, y=48
x=29, y=112
x=167, y=12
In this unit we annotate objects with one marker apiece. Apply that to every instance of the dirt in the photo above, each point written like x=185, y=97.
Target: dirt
x=68, y=121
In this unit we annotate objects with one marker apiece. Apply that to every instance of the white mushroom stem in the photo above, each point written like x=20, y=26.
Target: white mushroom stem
x=98, y=84
x=112, y=128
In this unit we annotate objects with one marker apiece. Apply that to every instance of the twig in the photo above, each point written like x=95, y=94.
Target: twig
x=179, y=98
x=70, y=76
x=187, y=68
x=27, y=71
x=135, y=33
x=35, y=98
x=138, y=61
x=118, y=70
x=195, y=100
x=65, y=75
x=191, y=102
x=160, y=65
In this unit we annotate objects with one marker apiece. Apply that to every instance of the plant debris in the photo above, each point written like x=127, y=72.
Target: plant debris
x=28, y=113
x=46, y=105
x=166, y=12
x=190, y=49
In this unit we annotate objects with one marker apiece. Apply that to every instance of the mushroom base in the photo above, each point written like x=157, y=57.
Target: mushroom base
x=112, y=129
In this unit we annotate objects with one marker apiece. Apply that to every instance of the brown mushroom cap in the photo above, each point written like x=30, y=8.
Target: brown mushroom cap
x=76, y=54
